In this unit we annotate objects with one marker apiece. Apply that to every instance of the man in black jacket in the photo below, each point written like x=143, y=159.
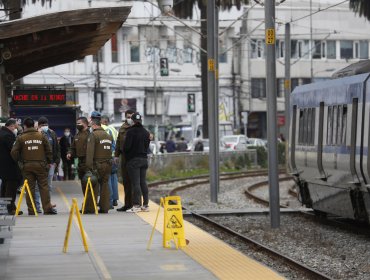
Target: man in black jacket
x=65, y=145
x=135, y=149
x=9, y=170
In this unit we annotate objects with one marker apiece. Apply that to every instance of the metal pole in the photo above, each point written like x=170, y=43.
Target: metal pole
x=271, y=113
x=155, y=88
x=311, y=42
x=212, y=105
x=287, y=90
x=216, y=112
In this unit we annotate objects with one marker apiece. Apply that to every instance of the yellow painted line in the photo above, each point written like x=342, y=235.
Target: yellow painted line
x=96, y=257
x=215, y=255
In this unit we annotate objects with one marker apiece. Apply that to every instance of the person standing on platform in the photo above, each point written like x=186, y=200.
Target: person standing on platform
x=32, y=150
x=78, y=149
x=119, y=151
x=182, y=146
x=99, y=160
x=43, y=126
x=113, y=178
x=170, y=145
x=135, y=148
x=9, y=171
x=65, y=143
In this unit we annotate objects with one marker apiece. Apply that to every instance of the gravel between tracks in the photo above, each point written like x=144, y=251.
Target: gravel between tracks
x=334, y=252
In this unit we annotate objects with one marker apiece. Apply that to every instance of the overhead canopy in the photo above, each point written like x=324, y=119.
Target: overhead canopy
x=32, y=44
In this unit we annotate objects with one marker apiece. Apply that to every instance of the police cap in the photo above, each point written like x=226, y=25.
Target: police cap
x=95, y=115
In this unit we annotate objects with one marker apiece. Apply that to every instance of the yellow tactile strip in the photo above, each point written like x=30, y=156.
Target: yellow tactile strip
x=215, y=255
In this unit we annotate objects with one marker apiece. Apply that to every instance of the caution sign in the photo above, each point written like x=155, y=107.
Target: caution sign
x=173, y=228
x=270, y=36
x=211, y=65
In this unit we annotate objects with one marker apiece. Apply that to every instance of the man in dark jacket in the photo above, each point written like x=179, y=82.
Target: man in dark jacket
x=65, y=145
x=135, y=149
x=9, y=170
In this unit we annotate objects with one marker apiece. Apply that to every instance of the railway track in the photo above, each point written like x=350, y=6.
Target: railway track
x=302, y=269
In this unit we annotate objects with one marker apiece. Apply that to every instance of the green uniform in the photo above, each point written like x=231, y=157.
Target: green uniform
x=78, y=149
x=99, y=159
x=125, y=178
x=33, y=151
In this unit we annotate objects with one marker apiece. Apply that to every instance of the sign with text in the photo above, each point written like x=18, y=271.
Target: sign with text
x=39, y=97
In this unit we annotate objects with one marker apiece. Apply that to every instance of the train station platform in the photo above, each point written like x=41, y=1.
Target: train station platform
x=117, y=248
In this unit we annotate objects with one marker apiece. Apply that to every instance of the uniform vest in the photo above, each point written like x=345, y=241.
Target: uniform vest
x=32, y=146
x=81, y=143
x=103, y=145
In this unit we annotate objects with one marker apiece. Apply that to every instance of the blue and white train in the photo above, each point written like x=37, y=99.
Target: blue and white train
x=329, y=144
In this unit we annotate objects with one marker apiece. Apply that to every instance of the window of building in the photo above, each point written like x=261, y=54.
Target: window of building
x=152, y=51
x=134, y=52
x=258, y=87
x=361, y=49
x=281, y=48
x=171, y=51
x=299, y=81
x=114, y=47
x=280, y=87
x=222, y=58
x=257, y=48
x=319, y=49
x=100, y=55
x=346, y=49
x=188, y=54
x=331, y=49
x=299, y=48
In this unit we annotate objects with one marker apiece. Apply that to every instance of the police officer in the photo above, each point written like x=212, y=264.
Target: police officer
x=78, y=149
x=119, y=151
x=99, y=159
x=33, y=151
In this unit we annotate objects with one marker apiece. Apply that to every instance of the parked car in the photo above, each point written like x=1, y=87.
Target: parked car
x=235, y=142
x=256, y=142
x=205, y=142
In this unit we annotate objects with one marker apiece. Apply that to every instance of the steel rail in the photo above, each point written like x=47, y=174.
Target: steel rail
x=262, y=248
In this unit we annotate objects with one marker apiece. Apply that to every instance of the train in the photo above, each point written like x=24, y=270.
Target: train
x=329, y=143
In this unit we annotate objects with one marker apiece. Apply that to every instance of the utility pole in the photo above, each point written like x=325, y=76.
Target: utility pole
x=212, y=47
x=271, y=113
x=287, y=90
x=154, y=85
x=311, y=43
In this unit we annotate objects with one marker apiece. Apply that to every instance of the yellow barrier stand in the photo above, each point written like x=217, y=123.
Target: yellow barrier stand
x=74, y=209
x=23, y=190
x=89, y=186
x=173, y=225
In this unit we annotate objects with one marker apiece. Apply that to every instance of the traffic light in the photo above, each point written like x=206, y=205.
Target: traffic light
x=191, y=102
x=164, y=66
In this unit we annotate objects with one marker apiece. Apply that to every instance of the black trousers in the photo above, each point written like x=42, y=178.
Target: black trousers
x=9, y=189
x=127, y=186
x=67, y=170
x=137, y=168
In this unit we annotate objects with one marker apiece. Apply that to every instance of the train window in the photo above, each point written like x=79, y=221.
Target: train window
x=306, y=133
x=330, y=126
x=335, y=125
x=344, y=125
x=300, y=131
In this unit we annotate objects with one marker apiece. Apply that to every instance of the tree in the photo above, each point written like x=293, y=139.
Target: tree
x=360, y=6
x=13, y=7
x=184, y=9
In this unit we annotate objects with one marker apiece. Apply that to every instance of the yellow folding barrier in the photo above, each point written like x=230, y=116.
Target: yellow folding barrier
x=173, y=225
x=23, y=190
x=74, y=209
x=89, y=186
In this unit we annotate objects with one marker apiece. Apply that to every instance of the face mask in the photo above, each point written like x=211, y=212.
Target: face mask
x=91, y=129
x=130, y=121
x=80, y=127
x=44, y=128
x=15, y=131
x=66, y=134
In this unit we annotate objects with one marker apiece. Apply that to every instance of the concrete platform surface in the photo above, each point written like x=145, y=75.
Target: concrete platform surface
x=117, y=247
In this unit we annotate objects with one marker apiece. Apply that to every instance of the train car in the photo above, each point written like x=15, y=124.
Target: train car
x=329, y=140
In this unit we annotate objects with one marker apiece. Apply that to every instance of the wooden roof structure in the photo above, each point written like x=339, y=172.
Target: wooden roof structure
x=32, y=44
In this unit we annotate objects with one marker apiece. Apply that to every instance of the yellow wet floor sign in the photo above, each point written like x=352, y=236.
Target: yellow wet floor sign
x=173, y=224
x=76, y=211
x=23, y=190
x=89, y=187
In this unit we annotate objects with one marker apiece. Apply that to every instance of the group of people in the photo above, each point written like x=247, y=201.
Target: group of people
x=33, y=153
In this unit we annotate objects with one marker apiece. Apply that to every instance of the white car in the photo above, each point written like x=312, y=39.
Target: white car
x=235, y=142
x=256, y=142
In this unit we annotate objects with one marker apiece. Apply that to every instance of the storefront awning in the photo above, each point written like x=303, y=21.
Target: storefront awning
x=32, y=44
